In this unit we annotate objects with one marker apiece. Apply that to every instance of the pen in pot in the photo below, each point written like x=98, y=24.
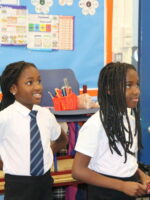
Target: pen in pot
x=50, y=94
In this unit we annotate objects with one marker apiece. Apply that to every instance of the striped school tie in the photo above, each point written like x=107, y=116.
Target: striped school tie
x=36, y=149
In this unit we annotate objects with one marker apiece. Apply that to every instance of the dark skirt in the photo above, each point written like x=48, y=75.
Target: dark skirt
x=100, y=193
x=28, y=187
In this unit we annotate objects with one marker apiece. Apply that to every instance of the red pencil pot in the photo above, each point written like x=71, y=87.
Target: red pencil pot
x=65, y=103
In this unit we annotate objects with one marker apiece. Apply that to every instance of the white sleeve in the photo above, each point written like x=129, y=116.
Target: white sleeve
x=55, y=127
x=88, y=136
x=3, y=124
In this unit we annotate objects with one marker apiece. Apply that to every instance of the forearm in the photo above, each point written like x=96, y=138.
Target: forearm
x=80, y=171
x=60, y=143
x=90, y=177
x=1, y=165
x=56, y=147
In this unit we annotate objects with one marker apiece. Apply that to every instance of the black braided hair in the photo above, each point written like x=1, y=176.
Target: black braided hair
x=112, y=101
x=9, y=77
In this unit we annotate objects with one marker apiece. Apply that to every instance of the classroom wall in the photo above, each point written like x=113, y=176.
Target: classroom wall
x=86, y=59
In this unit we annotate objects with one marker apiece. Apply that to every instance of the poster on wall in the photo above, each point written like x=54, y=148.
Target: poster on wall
x=66, y=32
x=13, y=25
x=43, y=31
x=46, y=32
x=11, y=2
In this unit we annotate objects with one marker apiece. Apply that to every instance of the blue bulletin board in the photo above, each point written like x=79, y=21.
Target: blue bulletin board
x=87, y=57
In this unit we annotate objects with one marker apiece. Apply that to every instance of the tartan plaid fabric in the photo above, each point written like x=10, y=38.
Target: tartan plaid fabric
x=59, y=193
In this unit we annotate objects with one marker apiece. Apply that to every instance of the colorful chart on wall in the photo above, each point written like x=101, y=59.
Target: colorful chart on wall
x=50, y=32
x=13, y=25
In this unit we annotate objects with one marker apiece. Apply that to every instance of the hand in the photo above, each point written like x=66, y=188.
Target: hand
x=148, y=188
x=134, y=188
x=145, y=180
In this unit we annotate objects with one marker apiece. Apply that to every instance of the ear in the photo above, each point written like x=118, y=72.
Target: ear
x=13, y=89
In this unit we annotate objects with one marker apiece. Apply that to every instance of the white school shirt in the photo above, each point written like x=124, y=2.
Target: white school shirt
x=93, y=142
x=15, y=137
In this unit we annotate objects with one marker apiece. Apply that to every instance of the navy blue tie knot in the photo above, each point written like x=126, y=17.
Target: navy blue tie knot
x=33, y=114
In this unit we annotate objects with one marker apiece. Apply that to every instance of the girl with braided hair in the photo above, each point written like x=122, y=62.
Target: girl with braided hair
x=107, y=145
x=29, y=134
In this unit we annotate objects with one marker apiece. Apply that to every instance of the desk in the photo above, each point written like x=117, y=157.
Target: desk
x=73, y=115
x=63, y=176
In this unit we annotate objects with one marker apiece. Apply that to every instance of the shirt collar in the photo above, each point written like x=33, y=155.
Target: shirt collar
x=23, y=109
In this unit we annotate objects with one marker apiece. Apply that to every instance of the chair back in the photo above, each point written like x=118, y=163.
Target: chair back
x=54, y=78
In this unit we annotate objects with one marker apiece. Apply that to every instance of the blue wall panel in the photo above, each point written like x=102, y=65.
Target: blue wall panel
x=88, y=55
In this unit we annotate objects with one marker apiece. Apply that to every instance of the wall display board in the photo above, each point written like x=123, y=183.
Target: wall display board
x=82, y=22
x=13, y=25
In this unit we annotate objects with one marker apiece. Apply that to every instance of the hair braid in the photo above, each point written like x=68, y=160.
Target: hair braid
x=113, y=108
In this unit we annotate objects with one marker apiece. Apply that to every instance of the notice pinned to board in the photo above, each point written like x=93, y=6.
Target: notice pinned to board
x=46, y=32
x=43, y=31
x=13, y=25
x=10, y=2
x=66, y=32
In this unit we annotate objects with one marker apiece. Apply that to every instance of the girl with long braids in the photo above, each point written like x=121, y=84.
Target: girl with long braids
x=26, y=133
x=107, y=145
